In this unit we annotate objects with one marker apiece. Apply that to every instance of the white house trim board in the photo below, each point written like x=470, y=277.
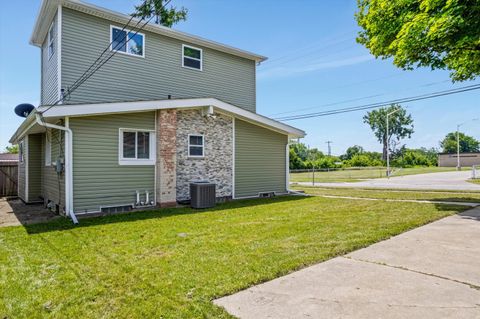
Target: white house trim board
x=59, y=52
x=139, y=106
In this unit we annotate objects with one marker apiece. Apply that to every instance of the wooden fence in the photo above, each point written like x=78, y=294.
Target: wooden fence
x=8, y=178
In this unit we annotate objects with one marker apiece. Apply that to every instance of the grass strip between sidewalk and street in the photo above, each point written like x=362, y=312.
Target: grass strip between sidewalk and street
x=446, y=196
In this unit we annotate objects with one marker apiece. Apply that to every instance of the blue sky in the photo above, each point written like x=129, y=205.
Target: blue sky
x=313, y=61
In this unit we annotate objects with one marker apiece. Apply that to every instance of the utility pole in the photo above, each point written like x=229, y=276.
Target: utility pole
x=329, y=148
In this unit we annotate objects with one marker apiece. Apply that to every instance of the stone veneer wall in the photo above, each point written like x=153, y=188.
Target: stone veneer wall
x=216, y=166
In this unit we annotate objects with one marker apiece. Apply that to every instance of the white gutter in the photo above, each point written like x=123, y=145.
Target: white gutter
x=68, y=164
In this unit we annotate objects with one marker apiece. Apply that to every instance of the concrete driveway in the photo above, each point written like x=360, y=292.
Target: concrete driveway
x=433, y=181
x=429, y=272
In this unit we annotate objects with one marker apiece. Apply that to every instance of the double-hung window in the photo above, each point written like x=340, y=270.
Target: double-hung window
x=136, y=147
x=126, y=41
x=48, y=148
x=195, y=145
x=51, y=41
x=21, y=151
x=192, y=57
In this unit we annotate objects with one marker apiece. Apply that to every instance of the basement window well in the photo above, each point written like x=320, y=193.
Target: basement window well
x=136, y=147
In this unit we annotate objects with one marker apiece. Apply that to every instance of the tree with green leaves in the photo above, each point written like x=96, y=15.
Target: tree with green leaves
x=12, y=149
x=158, y=9
x=441, y=34
x=400, y=126
x=467, y=143
x=351, y=152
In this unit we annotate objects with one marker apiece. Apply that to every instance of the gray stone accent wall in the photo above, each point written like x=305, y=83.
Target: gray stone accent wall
x=216, y=165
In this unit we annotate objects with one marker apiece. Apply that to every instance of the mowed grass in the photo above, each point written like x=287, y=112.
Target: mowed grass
x=474, y=181
x=448, y=196
x=172, y=263
x=355, y=175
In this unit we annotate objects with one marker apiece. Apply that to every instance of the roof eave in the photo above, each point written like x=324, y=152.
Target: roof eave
x=141, y=106
x=48, y=8
x=23, y=128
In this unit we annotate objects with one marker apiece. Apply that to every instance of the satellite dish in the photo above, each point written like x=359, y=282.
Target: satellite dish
x=24, y=109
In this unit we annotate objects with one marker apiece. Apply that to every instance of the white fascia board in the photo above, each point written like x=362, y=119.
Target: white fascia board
x=39, y=31
x=142, y=106
x=43, y=21
x=23, y=128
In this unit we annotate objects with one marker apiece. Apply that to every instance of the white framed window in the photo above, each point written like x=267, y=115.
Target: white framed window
x=196, y=145
x=192, y=57
x=51, y=40
x=48, y=148
x=21, y=151
x=126, y=41
x=136, y=147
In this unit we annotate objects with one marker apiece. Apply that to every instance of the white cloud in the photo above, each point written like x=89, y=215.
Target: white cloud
x=295, y=70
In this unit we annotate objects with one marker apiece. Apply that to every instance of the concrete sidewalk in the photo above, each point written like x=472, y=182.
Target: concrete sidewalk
x=430, y=272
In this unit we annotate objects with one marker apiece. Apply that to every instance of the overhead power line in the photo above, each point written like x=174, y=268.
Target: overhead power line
x=357, y=99
x=380, y=104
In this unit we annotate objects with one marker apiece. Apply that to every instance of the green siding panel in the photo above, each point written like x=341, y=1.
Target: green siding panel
x=34, y=167
x=49, y=66
x=159, y=74
x=53, y=184
x=260, y=160
x=98, y=179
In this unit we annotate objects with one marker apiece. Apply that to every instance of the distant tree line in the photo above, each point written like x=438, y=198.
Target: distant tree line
x=302, y=157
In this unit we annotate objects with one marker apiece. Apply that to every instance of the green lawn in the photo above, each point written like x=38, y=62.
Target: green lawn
x=355, y=175
x=474, y=181
x=450, y=196
x=171, y=263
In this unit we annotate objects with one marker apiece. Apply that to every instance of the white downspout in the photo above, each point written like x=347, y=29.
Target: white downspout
x=68, y=165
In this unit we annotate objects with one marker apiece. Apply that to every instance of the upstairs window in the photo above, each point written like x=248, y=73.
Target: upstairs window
x=126, y=41
x=136, y=147
x=195, y=145
x=51, y=41
x=192, y=57
x=48, y=148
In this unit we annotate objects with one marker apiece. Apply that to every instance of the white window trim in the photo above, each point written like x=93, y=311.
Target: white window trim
x=203, y=146
x=127, y=53
x=21, y=151
x=183, y=57
x=50, y=41
x=48, y=148
x=136, y=161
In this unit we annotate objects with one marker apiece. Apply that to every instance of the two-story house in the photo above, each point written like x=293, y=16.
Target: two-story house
x=167, y=109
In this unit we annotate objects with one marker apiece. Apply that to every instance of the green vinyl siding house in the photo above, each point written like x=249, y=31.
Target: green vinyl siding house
x=167, y=109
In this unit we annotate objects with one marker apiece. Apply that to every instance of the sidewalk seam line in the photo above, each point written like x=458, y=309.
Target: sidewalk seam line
x=415, y=271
